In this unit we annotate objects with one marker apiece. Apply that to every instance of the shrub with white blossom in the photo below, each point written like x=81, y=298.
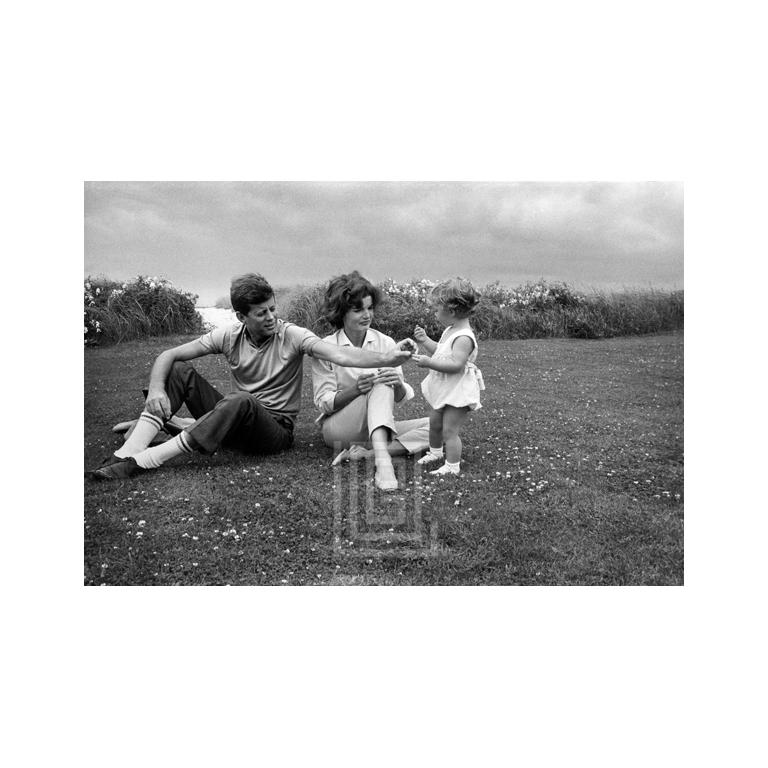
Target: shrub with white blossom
x=146, y=306
x=535, y=310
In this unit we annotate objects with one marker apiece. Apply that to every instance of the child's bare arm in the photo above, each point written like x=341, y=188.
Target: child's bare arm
x=421, y=336
x=461, y=349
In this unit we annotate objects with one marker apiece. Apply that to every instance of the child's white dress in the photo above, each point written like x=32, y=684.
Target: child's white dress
x=457, y=389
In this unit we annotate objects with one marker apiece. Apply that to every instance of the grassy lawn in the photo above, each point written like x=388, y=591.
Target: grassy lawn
x=572, y=474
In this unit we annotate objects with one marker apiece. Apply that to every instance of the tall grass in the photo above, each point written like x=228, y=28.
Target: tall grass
x=535, y=310
x=143, y=307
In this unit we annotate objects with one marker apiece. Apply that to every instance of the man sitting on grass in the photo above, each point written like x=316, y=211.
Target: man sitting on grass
x=265, y=358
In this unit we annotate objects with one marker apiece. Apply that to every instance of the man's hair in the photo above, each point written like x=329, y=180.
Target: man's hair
x=458, y=295
x=247, y=290
x=347, y=292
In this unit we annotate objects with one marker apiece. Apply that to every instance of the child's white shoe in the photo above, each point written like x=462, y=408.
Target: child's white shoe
x=447, y=469
x=430, y=458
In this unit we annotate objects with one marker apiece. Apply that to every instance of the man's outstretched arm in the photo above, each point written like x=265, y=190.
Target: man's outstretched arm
x=157, y=398
x=360, y=358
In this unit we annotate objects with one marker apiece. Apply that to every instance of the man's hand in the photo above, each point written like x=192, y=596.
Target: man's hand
x=420, y=334
x=421, y=360
x=365, y=382
x=158, y=404
x=397, y=356
x=388, y=376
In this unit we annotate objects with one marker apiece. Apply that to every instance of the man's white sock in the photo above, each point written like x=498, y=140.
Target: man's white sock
x=143, y=433
x=152, y=458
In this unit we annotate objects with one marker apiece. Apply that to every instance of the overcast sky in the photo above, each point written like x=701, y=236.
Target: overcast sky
x=199, y=234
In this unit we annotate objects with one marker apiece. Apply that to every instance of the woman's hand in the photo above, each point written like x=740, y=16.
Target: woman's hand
x=420, y=334
x=365, y=382
x=408, y=345
x=388, y=376
x=421, y=360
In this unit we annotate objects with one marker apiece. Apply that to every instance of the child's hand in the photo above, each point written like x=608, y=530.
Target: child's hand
x=420, y=334
x=421, y=360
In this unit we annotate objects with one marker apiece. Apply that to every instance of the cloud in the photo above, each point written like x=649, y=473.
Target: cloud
x=199, y=234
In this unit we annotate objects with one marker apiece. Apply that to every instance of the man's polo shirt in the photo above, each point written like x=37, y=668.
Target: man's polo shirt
x=272, y=372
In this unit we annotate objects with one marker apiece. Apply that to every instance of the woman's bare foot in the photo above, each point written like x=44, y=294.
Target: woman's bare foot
x=385, y=479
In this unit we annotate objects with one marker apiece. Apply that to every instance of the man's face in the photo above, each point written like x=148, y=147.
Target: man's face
x=261, y=320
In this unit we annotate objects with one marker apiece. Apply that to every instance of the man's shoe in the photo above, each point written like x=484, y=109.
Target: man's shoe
x=123, y=426
x=111, y=459
x=120, y=469
x=176, y=425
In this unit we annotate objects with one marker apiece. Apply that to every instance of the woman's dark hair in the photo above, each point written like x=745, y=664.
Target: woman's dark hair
x=247, y=290
x=347, y=292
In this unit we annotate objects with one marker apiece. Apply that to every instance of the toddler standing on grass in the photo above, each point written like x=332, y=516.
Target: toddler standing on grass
x=452, y=387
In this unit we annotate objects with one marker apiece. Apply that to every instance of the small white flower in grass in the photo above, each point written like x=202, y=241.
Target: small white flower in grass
x=142, y=523
x=195, y=564
x=194, y=538
x=139, y=533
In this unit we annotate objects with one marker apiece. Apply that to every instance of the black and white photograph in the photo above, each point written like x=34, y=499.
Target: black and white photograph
x=455, y=306
x=383, y=383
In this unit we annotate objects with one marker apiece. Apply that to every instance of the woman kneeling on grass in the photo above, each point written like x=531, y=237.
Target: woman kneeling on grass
x=357, y=405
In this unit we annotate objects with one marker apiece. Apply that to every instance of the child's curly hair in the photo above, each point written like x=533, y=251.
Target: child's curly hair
x=458, y=295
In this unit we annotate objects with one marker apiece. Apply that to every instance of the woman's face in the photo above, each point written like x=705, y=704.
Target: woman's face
x=359, y=318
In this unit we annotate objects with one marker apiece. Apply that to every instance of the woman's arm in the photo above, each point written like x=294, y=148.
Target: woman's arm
x=325, y=388
x=345, y=396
